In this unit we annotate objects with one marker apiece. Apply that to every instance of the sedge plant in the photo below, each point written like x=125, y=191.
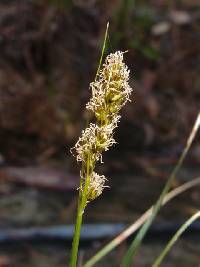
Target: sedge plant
x=110, y=92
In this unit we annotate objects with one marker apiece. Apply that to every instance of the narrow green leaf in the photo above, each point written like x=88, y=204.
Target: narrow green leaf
x=175, y=238
x=138, y=223
x=128, y=258
x=103, y=49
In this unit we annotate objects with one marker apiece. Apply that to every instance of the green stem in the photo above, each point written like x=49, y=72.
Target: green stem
x=82, y=202
x=75, y=244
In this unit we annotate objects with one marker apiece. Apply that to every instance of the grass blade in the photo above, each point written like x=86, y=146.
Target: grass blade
x=127, y=259
x=175, y=238
x=103, y=49
x=138, y=223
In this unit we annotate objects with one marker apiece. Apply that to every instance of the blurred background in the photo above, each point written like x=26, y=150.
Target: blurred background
x=49, y=54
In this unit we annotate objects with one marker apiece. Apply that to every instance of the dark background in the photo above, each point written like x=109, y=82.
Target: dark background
x=49, y=55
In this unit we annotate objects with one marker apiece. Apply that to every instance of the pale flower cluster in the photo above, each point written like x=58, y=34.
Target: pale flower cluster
x=94, y=140
x=110, y=92
x=96, y=186
x=111, y=89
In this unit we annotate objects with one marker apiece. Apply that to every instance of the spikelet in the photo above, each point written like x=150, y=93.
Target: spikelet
x=94, y=140
x=96, y=186
x=111, y=89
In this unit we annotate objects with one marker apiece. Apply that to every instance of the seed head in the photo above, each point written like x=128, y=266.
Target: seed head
x=110, y=92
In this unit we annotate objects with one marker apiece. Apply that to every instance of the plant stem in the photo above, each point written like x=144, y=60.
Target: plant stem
x=76, y=238
x=82, y=202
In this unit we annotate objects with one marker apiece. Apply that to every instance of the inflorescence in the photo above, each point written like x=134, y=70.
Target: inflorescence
x=110, y=92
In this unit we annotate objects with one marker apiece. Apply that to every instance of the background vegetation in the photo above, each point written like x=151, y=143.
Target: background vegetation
x=49, y=54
